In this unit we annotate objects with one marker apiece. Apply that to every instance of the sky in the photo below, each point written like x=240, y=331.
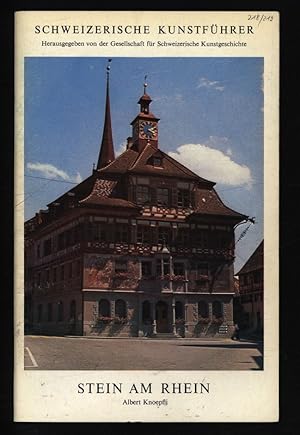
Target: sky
x=211, y=120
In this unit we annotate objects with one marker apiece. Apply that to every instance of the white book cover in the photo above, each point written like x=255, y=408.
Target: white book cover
x=134, y=268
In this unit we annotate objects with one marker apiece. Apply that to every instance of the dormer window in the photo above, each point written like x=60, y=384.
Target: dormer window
x=157, y=162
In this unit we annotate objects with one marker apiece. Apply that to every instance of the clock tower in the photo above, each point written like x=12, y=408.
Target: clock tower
x=145, y=125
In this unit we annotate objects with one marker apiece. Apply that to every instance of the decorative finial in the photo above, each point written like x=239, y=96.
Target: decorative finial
x=145, y=83
x=94, y=166
x=108, y=66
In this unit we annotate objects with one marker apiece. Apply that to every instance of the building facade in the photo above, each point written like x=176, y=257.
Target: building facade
x=249, y=301
x=142, y=247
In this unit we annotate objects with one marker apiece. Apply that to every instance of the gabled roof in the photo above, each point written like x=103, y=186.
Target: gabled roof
x=255, y=261
x=133, y=162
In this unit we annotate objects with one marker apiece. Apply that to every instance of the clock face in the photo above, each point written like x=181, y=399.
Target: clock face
x=148, y=130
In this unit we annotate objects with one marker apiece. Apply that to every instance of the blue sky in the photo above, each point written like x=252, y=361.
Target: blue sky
x=211, y=112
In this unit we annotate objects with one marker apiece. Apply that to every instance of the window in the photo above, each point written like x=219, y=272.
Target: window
x=179, y=268
x=120, y=266
x=183, y=236
x=47, y=247
x=120, y=308
x=77, y=267
x=47, y=276
x=164, y=235
x=201, y=269
x=104, y=308
x=217, y=309
x=146, y=311
x=201, y=238
x=203, y=309
x=183, y=198
x=73, y=310
x=40, y=313
x=61, y=241
x=49, y=310
x=70, y=270
x=77, y=234
x=142, y=194
x=157, y=161
x=62, y=272
x=54, y=274
x=257, y=276
x=162, y=196
x=146, y=268
x=97, y=232
x=121, y=233
x=60, y=311
x=144, y=234
x=222, y=240
x=38, y=251
x=179, y=310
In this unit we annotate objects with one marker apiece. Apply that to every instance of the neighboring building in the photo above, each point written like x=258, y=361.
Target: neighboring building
x=142, y=246
x=250, y=300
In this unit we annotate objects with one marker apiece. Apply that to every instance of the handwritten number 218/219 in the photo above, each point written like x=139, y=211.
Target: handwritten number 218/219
x=260, y=18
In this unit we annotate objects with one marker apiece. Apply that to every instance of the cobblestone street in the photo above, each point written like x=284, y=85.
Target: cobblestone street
x=81, y=353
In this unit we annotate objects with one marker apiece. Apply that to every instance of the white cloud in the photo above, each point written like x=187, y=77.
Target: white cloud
x=213, y=164
x=169, y=99
x=50, y=171
x=210, y=84
x=121, y=149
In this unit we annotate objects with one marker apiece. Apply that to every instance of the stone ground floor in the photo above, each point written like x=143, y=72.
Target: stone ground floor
x=87, y=353
x=137, y=314
x=183, y=314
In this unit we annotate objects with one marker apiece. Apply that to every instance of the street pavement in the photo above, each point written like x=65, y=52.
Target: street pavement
x=82, y=353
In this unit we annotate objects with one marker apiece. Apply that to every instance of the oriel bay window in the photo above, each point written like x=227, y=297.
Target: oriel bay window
x=164, y=235
x=163, y=267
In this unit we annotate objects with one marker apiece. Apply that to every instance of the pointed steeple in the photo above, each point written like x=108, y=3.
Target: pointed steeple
x=107, y=154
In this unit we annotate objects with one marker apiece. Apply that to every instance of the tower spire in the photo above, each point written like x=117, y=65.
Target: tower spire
x=107, y=154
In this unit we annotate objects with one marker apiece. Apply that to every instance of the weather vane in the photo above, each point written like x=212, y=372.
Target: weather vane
x=145, y=83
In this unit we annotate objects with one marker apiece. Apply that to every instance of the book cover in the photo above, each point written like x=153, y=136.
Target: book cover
x=146, y=222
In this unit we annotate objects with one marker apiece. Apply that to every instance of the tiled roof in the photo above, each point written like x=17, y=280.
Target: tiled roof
x=132, y=161
x=209, y=202
x=255, y=261
x=100, y=195
x=106, y=201
x=80, y=190
x=121, y=164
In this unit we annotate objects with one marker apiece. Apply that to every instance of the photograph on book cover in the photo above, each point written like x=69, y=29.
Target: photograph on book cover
x=146, y=209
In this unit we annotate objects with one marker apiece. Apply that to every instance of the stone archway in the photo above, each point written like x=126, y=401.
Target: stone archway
x=162, y=317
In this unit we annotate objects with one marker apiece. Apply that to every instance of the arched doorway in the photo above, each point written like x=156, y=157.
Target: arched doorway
x=162, y=322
